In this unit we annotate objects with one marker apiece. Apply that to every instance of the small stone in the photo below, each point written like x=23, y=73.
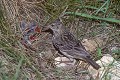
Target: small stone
x=110, y=69
x=64, y=62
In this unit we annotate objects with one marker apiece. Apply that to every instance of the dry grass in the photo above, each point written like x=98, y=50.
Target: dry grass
x=19, y=63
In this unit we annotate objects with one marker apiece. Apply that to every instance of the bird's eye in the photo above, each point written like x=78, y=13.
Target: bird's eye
x=53, y=25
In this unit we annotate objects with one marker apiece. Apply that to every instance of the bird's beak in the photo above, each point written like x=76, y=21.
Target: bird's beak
x=45, y=28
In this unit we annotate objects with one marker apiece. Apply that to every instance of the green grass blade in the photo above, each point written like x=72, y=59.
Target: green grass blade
x=4, y=76
x=99, y=53
x=101, y=7
x=92, y=7
x=18, y=69
x=93, y=17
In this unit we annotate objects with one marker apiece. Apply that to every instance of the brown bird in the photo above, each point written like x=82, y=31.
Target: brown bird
x=66, y=43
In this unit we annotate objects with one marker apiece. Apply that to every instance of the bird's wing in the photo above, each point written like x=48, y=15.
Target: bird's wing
x=66, y=43
x=69, y=38
x=74, y=52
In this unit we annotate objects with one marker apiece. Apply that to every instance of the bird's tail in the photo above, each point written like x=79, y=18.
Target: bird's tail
x=93, y=63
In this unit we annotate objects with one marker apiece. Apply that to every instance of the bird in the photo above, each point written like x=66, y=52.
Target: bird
x=67, y=44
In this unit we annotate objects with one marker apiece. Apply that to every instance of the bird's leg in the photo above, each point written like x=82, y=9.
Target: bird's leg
x=71, y=60
x=76, y=66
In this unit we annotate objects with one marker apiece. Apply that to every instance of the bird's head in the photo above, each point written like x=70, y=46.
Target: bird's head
x=55, y=27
